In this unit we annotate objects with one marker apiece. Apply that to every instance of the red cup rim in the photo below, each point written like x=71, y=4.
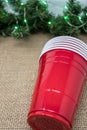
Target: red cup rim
x=70, y=43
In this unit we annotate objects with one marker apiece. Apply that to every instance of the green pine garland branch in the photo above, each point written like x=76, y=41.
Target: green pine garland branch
x=25, y=18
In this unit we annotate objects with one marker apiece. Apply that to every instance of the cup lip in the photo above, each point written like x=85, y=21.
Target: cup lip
x=68, y=43
x=66, y=38
x=82, y=49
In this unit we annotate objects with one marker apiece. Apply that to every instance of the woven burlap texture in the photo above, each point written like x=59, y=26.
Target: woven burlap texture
x=18, y=72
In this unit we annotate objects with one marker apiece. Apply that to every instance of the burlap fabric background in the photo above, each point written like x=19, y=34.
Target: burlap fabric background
x=18, y=70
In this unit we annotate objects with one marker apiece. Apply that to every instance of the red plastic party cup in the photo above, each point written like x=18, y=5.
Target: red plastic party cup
x=61, y=77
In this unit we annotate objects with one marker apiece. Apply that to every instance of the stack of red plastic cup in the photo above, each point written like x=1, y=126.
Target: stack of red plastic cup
x=61, y=77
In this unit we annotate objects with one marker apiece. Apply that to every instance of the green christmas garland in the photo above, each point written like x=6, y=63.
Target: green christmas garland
x=20, y=18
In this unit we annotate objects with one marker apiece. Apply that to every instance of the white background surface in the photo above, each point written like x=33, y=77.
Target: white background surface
x=57, y=6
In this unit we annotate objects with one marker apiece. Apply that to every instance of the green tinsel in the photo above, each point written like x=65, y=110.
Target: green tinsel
x=31, y=16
